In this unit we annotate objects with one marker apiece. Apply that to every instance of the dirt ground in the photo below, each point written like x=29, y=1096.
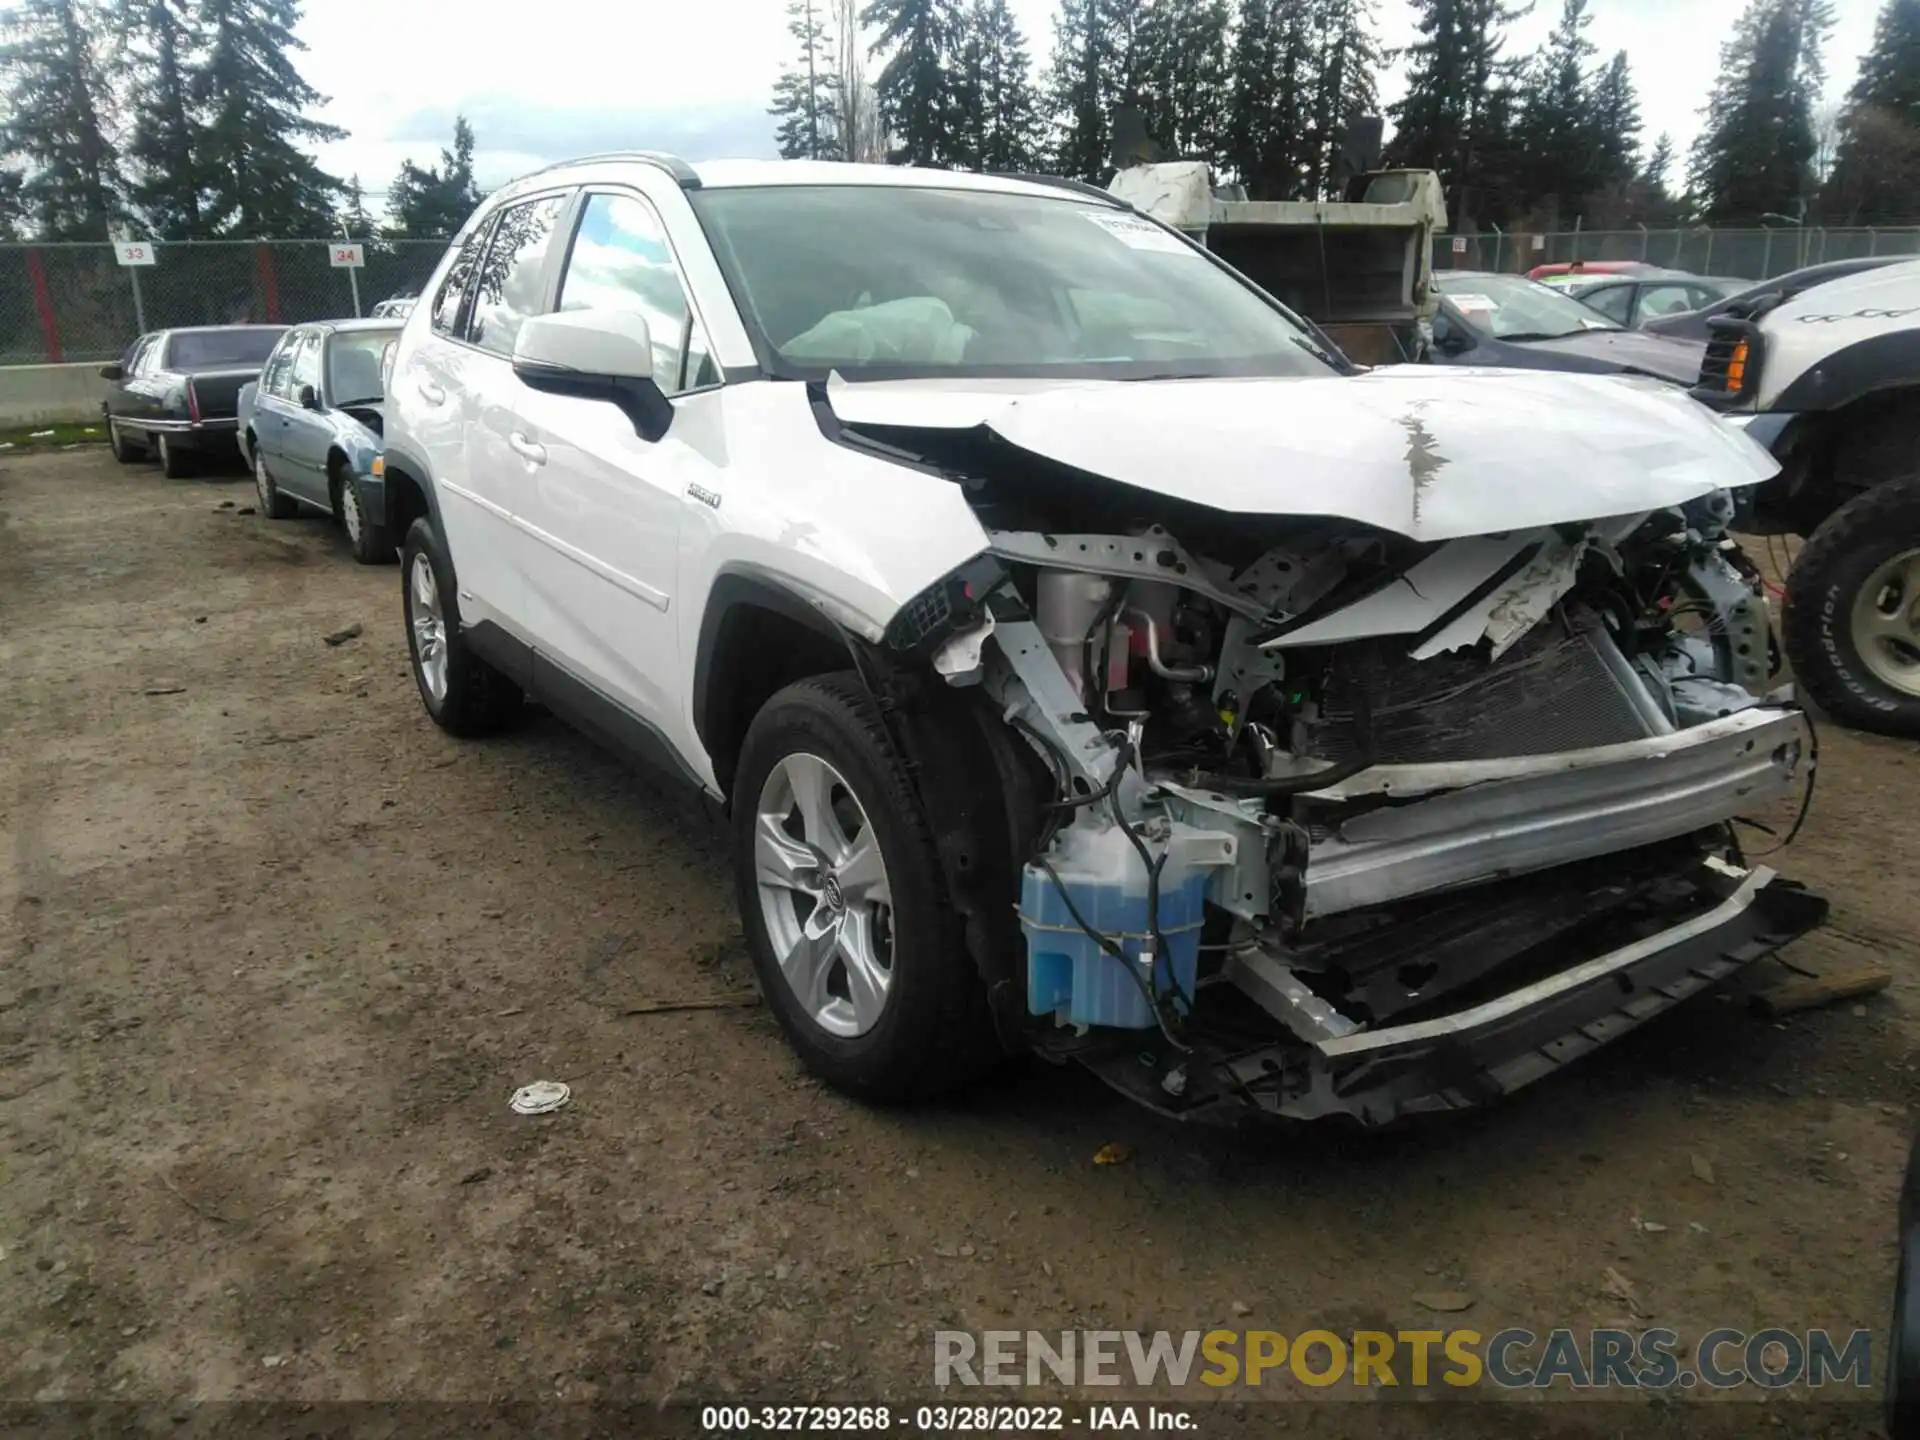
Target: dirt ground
x=277, y=951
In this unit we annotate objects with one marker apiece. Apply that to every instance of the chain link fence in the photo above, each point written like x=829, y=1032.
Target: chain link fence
x=74, y=301
x=77, y=302
x=1703, y=250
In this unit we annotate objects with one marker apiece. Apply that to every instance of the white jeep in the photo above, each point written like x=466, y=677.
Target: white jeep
x=1089, y=662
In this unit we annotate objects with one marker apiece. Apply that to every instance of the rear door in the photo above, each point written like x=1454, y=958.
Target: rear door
x=512, y=281
x=270, y=405
x=430, y=388
x=306, y=433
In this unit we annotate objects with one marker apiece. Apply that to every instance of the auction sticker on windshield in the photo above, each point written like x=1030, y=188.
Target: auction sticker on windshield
x=1474, y=302
x=1137, y=234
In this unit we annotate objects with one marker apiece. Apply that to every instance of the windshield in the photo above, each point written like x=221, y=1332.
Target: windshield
x=1510, y=307
x=353, y=364
x=198, y=349
x=884, y=281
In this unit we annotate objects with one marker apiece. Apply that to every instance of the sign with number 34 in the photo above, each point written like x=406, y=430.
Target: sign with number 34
x=348, y=256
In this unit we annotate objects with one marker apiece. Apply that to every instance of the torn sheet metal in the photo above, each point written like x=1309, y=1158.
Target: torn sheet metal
x=1517, y=451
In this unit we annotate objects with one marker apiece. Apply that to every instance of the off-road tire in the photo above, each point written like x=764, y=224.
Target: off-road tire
x=176, y=461
x=127, y=452
x=373, y=545
x=1817, y=624
x=479, y=700
x=935, y=1033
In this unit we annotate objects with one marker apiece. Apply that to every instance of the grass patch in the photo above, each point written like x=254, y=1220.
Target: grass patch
x=52, y=437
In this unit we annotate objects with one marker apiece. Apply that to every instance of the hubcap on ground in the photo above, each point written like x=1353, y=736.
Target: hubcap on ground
x=429, y=628
x=823, y=894
x=350, y=510
x=1886, y=622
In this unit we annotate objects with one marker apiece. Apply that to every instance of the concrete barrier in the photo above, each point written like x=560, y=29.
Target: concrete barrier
x=51, y=394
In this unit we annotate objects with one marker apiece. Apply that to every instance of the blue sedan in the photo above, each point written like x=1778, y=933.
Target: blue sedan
x=310, y=428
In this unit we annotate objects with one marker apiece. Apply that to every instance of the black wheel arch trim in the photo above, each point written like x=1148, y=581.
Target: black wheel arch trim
x=1889, y=361
x=398, y=457
x=731, y=590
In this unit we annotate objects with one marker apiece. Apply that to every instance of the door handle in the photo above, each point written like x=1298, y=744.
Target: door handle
x=432, y=393
x=526, y=449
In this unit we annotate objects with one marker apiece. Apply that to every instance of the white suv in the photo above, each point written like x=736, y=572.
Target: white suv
x=1089, y=661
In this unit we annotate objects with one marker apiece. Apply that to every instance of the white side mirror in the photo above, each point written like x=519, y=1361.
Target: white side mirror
x=615, y=344
x=595, y=355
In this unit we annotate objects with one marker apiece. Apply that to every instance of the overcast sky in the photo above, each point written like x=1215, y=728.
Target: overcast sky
x=611, y=74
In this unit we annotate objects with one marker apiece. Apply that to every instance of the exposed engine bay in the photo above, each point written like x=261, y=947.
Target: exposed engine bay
x=1340, y=821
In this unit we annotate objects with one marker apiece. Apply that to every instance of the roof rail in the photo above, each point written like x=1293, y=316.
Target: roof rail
x=680, y=170
x=1062, y=182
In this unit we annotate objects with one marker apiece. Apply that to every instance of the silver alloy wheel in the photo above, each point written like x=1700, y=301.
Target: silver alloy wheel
x=262, y=484
x=429, y=628
x=824, y=896
x=350, y=509
x=1886, y=622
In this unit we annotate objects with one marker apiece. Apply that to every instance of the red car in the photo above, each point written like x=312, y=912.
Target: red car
x=1590, y=267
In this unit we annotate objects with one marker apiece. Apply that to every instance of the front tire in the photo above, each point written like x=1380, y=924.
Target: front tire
x=176, y=462
x=1851, y=622
x=463, y=694
x=858, y=948
x=367, y=537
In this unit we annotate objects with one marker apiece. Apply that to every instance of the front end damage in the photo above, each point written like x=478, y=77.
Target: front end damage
x=1334, y=820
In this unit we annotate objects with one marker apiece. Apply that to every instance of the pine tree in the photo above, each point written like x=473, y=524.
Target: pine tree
x=997, y=126
x=1348, y=85
x=803, y=96
x=1616, y=123
x=1754, y=158
x=51, y=73
x=162, y=39
x=1087, y=79
x=1557, y=121
x=914, y=88
x=1253, y=97
x=13, y=208
x=355, y=223
x=1180, y=73
x=1876, y=172
x=260, y=180
x=856, y=109
x=435, y=200
x=1657, y=173
x=1456, y=115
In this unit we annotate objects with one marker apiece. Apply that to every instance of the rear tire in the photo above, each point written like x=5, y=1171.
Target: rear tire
x=1858, y=653
x=273, y=504
x=463, y=694
x=176, y=462
x=127, y=452
x=930, y=1031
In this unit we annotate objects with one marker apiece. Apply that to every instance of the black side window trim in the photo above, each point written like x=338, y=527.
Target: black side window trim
x=568, y=196
x=477, y=243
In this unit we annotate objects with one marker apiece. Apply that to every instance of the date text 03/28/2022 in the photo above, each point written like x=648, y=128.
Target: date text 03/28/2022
x=945, y=1419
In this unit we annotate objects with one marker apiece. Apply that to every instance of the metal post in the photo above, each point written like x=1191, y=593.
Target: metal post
x=353, y=272
x=1873, y=242
x=1646, y=239
x=1766, y=256
x=139, y=308
x=1576, y=235
x=1679, y=239
x=1708, y=267
x=1499, y=245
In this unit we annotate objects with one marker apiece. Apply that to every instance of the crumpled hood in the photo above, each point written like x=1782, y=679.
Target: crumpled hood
x=1661, y=355
x=1427, y=453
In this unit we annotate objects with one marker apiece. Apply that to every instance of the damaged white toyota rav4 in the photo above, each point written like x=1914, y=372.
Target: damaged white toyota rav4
x=1088, y=660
